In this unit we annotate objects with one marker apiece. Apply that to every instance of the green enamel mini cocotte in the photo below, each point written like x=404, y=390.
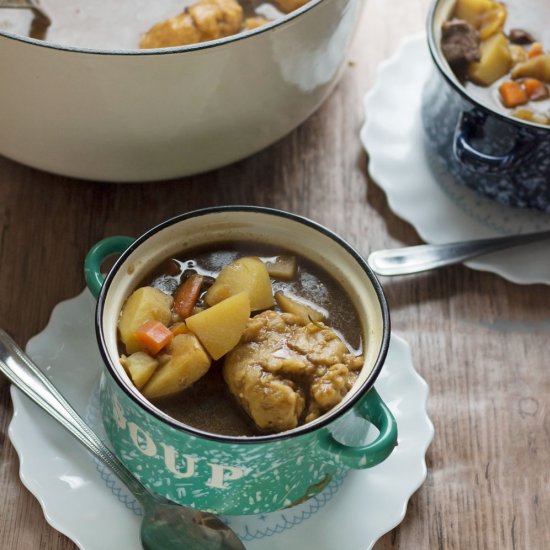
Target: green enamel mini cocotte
x=245, y=474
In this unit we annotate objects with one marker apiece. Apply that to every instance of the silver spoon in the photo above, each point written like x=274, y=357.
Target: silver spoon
x=414, y=259
x=165, y=525
x=41, y=21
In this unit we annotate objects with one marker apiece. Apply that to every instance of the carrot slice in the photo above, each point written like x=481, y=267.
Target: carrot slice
x=187, y=294
x=535, y=49
x=154, y=336
x=534, y=88
x=512, y=94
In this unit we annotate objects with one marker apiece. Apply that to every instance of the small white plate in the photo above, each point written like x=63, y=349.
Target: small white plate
x=421, y=191
x=84, y=501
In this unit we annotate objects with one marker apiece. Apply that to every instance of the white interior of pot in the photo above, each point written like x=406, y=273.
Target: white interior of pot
x=259, y=227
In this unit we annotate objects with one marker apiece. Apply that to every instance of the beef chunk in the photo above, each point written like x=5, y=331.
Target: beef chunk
x=519, y=36
x=460, y=42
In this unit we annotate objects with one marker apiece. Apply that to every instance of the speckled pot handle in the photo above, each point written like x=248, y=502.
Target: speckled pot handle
x=470, y=124
x=95, y=257
x=375, y=411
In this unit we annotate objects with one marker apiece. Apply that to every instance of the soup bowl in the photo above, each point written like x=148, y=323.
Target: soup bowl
x=252, y=474
x=142, y=115
x=499, y=156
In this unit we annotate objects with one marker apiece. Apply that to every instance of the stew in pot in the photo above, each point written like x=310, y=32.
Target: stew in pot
x=241, y=341
x=501, y=54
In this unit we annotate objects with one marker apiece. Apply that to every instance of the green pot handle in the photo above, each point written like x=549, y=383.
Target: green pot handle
x=95, y=257
x=375, y=411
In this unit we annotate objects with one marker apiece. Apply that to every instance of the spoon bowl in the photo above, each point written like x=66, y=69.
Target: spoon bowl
x=165, y=525
x=177, y=526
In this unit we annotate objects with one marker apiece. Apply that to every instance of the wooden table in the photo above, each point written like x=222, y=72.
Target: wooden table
x=480, y=342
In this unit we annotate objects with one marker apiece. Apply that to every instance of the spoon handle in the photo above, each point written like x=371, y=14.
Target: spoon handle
x=414, y=259
x=25, y=374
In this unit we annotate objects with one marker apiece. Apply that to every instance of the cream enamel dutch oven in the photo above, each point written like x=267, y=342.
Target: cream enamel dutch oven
x=142, y=115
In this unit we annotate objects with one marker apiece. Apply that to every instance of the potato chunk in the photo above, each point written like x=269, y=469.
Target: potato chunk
x=188, y=362
x=471, y=10
x=219, y=328
x=140, y=366
x=495, y=61
x=536, y=67
x=144, y=304
x=303, y=311
x=244, y=274
x=492, y=21
x=530, y=116
x=283, y=268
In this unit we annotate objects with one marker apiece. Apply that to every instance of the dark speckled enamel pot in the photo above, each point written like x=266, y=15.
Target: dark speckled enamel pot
x=499, y=156
x=240, y=475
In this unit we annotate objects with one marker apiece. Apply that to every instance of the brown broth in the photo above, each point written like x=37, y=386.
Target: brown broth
x=209, y=406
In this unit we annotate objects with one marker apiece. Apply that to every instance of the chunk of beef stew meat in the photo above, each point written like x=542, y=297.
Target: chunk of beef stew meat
x=460, y=42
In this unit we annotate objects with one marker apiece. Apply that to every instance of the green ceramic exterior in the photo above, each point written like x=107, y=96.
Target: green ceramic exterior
x=224, y=474
x=228, y=478
x=97, y=255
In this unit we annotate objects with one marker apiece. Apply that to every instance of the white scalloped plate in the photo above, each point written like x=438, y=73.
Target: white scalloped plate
x=422, y=192
x=85, y=502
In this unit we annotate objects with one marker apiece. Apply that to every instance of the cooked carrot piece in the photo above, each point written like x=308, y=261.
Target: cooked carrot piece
x=534, y=88
x=187, y=294
x=512, y=94
x=535, y=49
x=154, y=336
